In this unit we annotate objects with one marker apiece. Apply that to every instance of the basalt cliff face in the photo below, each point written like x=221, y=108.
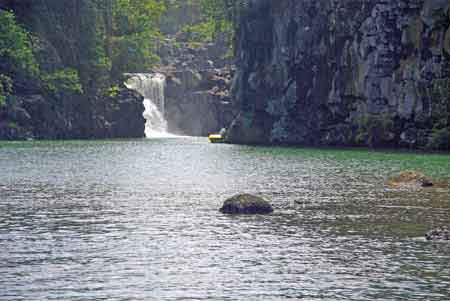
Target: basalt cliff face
x=353, y=72
x=197, y=87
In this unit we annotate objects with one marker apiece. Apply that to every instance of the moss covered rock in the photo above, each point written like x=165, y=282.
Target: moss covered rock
x=246, y=204
x=410, y=178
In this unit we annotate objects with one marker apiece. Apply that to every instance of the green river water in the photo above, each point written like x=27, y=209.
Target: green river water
x=139, y=220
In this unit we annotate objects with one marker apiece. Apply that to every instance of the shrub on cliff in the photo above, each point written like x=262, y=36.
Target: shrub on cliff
x=135, y=34
x=440, y=139
x=16, y=54
x=64, y=81
x=5, y=88
x=375, y=131
x=215, y=24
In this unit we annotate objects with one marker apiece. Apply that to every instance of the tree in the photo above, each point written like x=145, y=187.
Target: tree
x=135, y=34
x=16, y=55
x=216, y=22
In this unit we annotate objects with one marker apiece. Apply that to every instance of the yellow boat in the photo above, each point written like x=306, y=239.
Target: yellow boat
x=216, y=138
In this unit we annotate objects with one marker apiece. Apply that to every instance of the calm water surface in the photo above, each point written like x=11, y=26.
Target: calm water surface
x=138, y=220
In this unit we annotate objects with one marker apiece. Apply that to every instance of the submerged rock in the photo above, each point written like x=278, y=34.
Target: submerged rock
x=411, y=179
x=246, y=204
x=442, y=233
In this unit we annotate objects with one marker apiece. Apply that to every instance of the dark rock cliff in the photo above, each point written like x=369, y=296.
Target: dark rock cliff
x=197, y=87
x=37, y=116
x=354, y=72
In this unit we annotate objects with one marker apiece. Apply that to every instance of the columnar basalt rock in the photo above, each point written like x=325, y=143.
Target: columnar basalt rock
x=339, y=72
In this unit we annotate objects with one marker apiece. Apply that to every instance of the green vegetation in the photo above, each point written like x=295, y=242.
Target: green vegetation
x=113, y=91
x=441, y=98
x=95, y=42
x=13, y=125
x=5, y=88
x=135, y=34
x=219, y=15
x=375, y=131
x=17, y=60
x=440, y=138
x=178, y=13
x=215, y=21
x=203, y=32
x=87, y=45
x=16, y=55
x=65, y=81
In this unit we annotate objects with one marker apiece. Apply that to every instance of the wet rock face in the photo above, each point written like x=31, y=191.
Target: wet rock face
x=198, y=81
x=341, y=72
x=198, y=101
x=246, y=204
x=124, y=116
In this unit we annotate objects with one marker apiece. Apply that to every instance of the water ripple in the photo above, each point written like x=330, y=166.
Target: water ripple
x=138, y=220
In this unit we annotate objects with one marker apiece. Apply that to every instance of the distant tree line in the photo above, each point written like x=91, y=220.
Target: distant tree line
x=83, y=46
x=75, y=46
x=201, y=20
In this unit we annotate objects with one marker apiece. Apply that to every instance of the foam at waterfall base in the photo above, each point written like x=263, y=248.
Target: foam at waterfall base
x=151, y=87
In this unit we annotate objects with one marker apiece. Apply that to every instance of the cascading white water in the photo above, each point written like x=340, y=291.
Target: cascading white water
x=151, y=87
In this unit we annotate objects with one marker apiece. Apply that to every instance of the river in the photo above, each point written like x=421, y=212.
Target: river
x=139, y=220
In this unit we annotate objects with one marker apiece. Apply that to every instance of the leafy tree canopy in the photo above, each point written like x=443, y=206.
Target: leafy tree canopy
x=16, y=55
x=135, y=33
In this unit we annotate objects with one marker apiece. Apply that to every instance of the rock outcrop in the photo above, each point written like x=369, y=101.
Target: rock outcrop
x=360, y=72
x=416, y=180
x=246, y=204
x=410, y=179
x=198, y=79
x=39, y=116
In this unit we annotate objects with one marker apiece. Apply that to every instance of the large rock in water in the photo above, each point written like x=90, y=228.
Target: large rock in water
x=439, y=234
x=410, y=179
x=246, y=204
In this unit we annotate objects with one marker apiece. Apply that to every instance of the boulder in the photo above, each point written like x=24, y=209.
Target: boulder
x=125, y=115
x=246, y=204
x=411, y=179
x=442, y=233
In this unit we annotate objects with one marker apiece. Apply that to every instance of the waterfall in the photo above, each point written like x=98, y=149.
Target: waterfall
x=151, y=87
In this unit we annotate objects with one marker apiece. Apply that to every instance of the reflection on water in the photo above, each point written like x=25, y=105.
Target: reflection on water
x=138, y=220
